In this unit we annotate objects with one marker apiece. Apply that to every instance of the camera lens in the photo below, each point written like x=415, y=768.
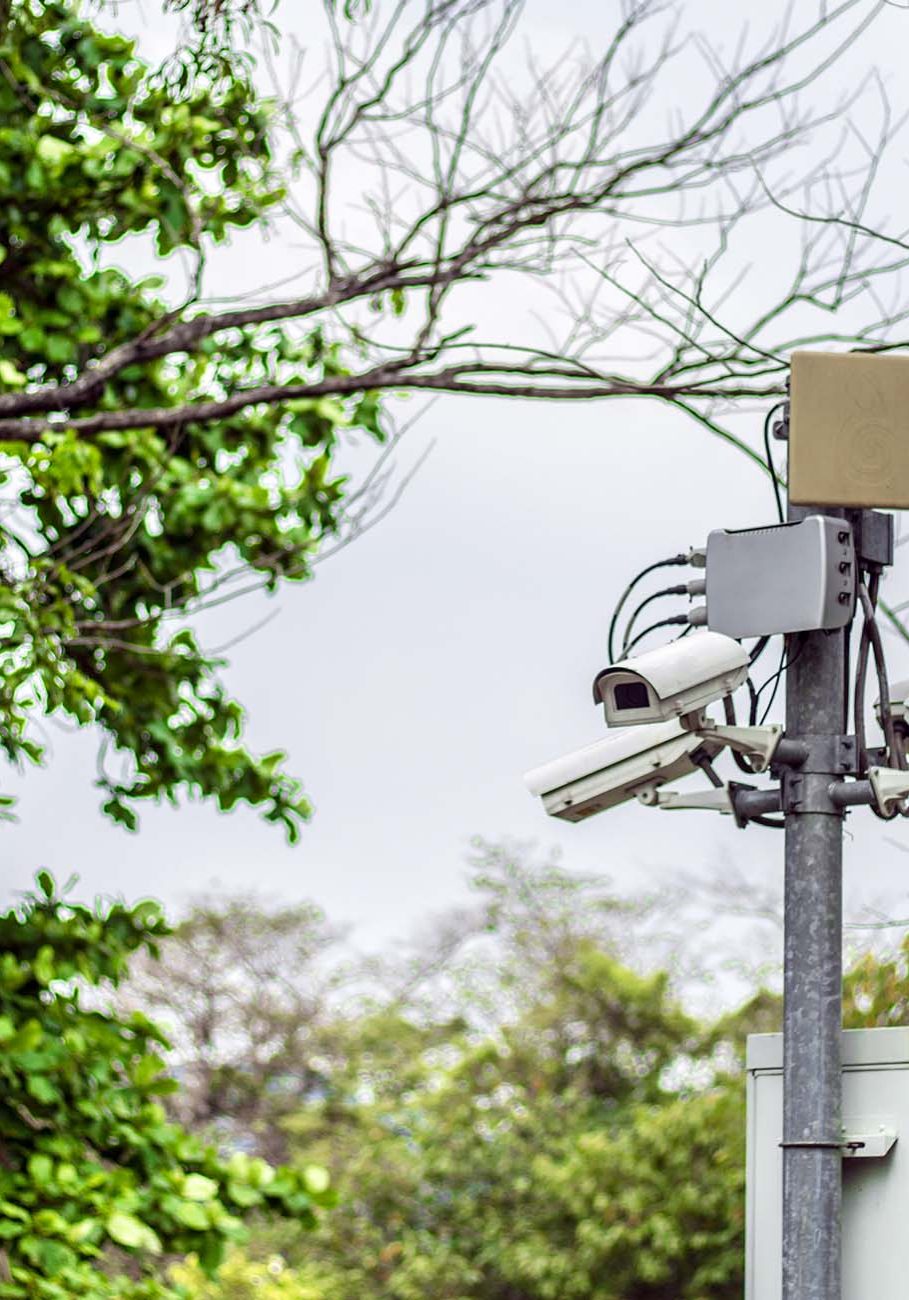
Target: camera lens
x=630, y=695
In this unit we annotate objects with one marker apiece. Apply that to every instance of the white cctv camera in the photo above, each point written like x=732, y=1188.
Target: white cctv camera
x=676, y=679
x=629, y=765
x=899, y=706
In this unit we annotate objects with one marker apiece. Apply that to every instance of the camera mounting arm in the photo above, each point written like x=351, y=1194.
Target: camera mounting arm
x=744, y=802
x=760, y=745
x=886, y=788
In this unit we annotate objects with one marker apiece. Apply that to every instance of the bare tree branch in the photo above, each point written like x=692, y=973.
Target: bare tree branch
x=469, y=171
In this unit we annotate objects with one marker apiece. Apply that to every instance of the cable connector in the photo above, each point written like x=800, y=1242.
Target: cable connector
x=697, y=616
x=781, y=426
x=697, y=557
x=696, y=587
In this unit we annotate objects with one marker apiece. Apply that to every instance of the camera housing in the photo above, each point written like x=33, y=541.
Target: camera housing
x=631, y=764
x=671, y=681
x=899, y=706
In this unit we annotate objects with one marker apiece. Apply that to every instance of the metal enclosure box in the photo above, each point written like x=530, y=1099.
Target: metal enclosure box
x=875, y=1187
x=849, y=429
x=784, y=578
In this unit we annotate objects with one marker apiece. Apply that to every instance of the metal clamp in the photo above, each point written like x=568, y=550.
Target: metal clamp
x=812, y=1146
x=830, y=755
x=810, y=792
x=749, y=803
x=862, y=1140
x=873, y=531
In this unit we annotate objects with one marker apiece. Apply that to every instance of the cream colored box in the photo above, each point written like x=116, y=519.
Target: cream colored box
x=849, y=429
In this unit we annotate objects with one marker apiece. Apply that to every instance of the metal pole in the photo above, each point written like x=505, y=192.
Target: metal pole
x=812, y=1015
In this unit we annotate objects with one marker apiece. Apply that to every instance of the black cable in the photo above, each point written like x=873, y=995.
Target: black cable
x=651, y=568
x=774, y=681
x=895, y=756
x=871, y=637
x=858, y=698
x=675, y=621
x=871, y=641
x=786, y=661
x=847, y=661
x=740, y=760
x=770, y=465
x=758, y=649
x=680, y=590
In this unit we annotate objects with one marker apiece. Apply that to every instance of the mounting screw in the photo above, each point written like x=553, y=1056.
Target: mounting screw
x=842, y=536
x=844, y=597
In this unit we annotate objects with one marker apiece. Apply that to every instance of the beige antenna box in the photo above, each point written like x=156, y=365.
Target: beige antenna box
x=849, y=429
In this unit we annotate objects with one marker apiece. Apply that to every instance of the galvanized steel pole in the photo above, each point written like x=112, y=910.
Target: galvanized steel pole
x=812, y=1017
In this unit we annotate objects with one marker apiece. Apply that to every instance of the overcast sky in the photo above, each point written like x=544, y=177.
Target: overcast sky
x=432, y=663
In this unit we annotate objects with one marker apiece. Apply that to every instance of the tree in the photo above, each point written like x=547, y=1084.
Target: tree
x=480, y=1099
x=248, y=997
x=117, y=535
x=162, y=456
x=519, y=1102
x=97, y=1188
x=552, y=1156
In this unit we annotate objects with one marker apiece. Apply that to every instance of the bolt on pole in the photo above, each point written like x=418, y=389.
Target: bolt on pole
x=813, y=973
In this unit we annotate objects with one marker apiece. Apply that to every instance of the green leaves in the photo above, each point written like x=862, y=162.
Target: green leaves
x=90, y=1161
x=128, y=1231
x=317, y=1179
x=54, y=153
x=198, y=1188
x=135, y=531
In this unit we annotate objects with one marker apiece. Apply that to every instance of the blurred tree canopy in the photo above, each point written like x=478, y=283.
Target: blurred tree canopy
x=517, y=1103
x=523, y=1107
x=506, y=1106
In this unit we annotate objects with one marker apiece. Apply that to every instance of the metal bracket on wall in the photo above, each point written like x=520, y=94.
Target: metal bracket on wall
x=868, y=1139
x=862, y=1140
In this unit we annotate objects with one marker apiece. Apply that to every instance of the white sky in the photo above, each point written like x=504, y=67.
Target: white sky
x=428, y=666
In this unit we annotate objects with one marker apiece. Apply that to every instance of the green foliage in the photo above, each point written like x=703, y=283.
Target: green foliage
x=96, y=1185
x=876, y=990
x=116, y=537
x=527, y=1126
x=242, y=1278
x=520, y=1112
x=553, y=1161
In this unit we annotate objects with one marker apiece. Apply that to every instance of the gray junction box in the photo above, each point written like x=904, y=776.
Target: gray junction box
x=875, y=1175
x=783, y=578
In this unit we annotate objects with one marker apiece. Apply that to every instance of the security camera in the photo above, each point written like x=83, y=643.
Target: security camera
x=899, y=706
x=629, y=765
x=676, y=679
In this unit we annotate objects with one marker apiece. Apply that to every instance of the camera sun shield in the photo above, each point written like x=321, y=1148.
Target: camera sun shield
x=672, y=681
